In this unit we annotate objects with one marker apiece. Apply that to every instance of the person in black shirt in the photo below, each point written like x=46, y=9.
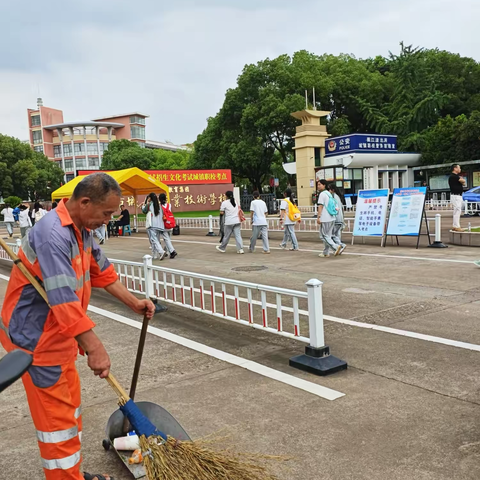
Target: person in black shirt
x=456, y=183
x=123, y=219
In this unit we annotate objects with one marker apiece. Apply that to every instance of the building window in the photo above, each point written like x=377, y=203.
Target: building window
x=103, y=147
x=142, y=144
x=136, y=119
x=93, y=162
x=137, y=132
x=67, y=149
x=318, y=161
x=57, y=151
x=38, y=148
x=92, y=148
x=68, y=165
x=69, y=177
x=79, y=148
x=35, y=120
x=80, y=162
x=37, y=137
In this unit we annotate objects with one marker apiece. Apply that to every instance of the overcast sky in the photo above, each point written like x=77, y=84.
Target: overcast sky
x=174, y=60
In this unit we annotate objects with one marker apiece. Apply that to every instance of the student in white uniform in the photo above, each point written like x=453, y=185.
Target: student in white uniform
x=8, y=219
x=326, y=221
x=230, y=211
x=24, y=220
x=339, y=223
x=258, y=212
x=289, y=225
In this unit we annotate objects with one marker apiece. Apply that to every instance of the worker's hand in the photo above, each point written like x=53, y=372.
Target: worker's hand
x=145, y=307
x=99, y=361
x=319, y=221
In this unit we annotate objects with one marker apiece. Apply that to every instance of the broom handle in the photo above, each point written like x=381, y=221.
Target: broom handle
x=110, y=379
x=25, y=271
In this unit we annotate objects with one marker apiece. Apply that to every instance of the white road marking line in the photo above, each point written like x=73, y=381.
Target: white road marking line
x=379, y=255
x=406, y=333
x=268, y=372
x=393, y=331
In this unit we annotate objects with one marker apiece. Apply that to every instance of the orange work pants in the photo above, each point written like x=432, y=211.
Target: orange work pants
x=53, y=395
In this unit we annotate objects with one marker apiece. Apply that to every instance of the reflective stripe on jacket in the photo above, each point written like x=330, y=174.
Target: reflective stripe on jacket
x=69, y=263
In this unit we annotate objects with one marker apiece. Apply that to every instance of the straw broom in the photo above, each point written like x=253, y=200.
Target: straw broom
x=166, y=458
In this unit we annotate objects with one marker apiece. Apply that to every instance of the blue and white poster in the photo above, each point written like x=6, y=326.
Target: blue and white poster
x=406, y=211
x=371, y=213
x=361, y=142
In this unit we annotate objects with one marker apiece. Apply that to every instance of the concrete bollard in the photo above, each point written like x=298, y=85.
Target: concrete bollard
x=438, y=233
x=210, y=233
x=317, y=358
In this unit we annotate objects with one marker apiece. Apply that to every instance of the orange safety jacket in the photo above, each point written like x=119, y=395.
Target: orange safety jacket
x=68, y=263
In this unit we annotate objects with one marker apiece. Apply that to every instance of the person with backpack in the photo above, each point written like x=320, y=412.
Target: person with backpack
x=154, y=224
x=326, y=215
x=289, y=216
x=168, y=224
x=8, y=219
x=339, y=224
x=233, y=215
x=258, y=212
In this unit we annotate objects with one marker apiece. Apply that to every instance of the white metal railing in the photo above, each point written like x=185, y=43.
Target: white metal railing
x=14, y=246
x=471, y=208
x=281, y=311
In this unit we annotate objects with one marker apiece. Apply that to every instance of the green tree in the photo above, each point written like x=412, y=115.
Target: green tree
x=451, y=140
x=26, y=173
x=168, y=160
x=415, y=101
x=123, y=154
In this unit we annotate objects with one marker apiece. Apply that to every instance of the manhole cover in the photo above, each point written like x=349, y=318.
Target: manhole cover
x=249, y=269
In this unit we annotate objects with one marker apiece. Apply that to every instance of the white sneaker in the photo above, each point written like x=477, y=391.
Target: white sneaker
x=338, y=250
x=241, y=252
x=283, y=247
x=343, y=248
x=219, y=249
x=322, y=255
x=163, y=255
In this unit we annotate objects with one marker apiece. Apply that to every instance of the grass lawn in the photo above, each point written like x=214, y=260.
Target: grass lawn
x=476, y=229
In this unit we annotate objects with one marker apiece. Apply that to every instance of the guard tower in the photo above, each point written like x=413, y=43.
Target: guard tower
x=309, y=151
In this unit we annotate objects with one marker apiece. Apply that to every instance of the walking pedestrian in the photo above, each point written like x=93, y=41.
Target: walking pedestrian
x=37, y=213
x=231, y=213
x=24, y=220
x=326, y=215
x=287, y=223
x=154, y=224
x=61, y=254
x=456, y=183
x=8, y=219
x=339, y=223
x=166, y=232
x=258, y=212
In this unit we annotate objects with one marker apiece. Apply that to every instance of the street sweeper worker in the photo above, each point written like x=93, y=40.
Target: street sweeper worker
x=61, y=253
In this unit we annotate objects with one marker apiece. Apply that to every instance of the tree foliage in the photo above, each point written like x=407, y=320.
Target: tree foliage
x=126, y=154
x=405, y=94
x=26, y=173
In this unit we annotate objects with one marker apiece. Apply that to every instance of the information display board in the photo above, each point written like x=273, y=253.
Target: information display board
x=406, y=212
x=371, y=213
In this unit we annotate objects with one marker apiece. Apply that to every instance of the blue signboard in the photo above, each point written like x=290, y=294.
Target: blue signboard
x=361, y=142
x=406, y=211
x=371, y=213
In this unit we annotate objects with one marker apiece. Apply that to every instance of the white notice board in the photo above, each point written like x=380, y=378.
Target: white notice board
x=371, y=213
x=406, y=211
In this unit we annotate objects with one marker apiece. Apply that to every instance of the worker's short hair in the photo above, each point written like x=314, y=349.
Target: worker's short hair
x=97, y=186
x=454, y=166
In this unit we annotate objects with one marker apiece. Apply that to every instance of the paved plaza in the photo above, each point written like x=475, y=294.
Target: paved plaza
x=411, y=407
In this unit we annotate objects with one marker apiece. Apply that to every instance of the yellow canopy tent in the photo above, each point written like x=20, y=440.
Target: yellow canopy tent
x=132, y=181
